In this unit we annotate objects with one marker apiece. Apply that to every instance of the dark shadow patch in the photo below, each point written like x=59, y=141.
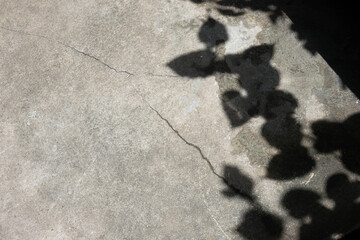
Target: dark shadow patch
x=229, y=12
x=255, y=76
x=322, y=222
x=236, y=180
x=283, y=132
x=327, y=27
x=253, y=94
x=260, y=225
x=257, y=223
x=343, y=137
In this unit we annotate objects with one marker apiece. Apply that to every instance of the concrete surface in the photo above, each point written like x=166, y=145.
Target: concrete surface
x=113, y=125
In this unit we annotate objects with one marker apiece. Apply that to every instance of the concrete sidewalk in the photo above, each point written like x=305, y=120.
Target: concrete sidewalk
x=170, y=120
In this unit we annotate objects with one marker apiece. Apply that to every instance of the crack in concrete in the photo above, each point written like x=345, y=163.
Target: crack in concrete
x=153, y=109
x=236, y=190
x=70, y=47
x=188, y=143
x=83, y=53
x=250, y=198
x=183, y=139
x=96, y=59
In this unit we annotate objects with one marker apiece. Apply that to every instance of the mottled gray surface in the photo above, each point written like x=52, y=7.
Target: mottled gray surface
x=101, y=139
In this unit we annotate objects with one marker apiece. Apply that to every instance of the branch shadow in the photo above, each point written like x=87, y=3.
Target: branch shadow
x=248, y=86
x=319, y=221
x=340, y=136
x=327, y=27
x=257, y=223
x=320, y=217
x=251, y=93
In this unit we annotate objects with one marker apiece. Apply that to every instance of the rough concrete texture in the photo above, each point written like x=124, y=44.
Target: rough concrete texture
x=160, y=119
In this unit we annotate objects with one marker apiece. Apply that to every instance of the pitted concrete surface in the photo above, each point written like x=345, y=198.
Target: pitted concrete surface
x=169, y=120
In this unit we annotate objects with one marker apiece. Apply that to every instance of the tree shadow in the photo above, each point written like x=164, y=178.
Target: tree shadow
x=327, y=27
x=320, y=217
x=248, y=89
x=340, y=136
x=319, y=221
x=257, y=223
x=283, y=132
x=248, y=86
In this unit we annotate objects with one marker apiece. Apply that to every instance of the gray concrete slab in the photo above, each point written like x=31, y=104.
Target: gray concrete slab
x=169, y=120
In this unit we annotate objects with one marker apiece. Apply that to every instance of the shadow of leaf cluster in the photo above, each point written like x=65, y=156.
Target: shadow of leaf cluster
x=257, y=223
x=253, y=93
x=317, y=220
x=248, y=88
x=327, y=27
x=340, y=136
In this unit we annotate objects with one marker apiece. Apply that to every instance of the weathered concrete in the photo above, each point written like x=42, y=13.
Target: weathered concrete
x=107, y=133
